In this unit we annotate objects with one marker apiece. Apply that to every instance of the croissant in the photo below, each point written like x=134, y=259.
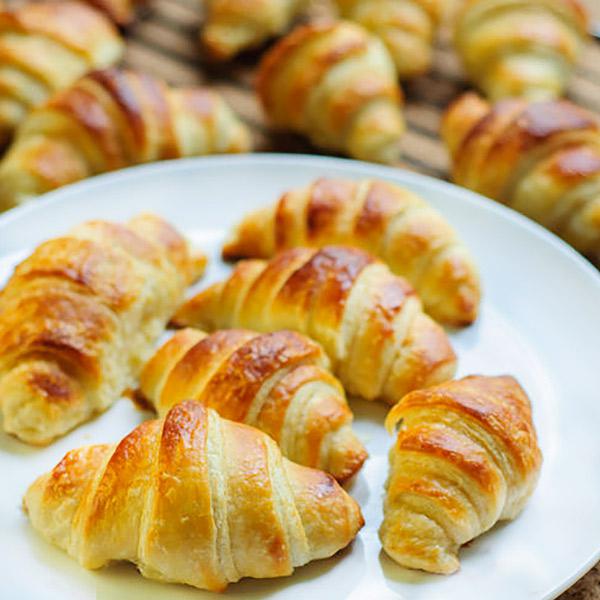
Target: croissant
x=466, y=456
x=407, y=28
x=277, y=382
x=79, y=318
x=45, y=47
x=384, y=219
x=541, y=158
x=192, y=498
x=335, y=83
x=520, y=47
x=121, y=12
x=232, y=26
x=112, y=119
x=369, y=321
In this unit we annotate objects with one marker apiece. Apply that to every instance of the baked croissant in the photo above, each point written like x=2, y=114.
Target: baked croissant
x=121, y=12
x=45, y=47
x=112, y=119
x=407, y=28
x=542, y=159
x=277, y=382
x=232, y=26
x=520, y=47
x=335, y=83
x=466, y=456
x=384, y=219
x=369, y=321
x=192, y=498
x=79, y=318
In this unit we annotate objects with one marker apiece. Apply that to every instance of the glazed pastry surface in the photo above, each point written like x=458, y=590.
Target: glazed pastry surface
x=79, y=318
x=192, y=498
x=369, y=321
x=399, y=227
x=465, y=457
x=337, y=84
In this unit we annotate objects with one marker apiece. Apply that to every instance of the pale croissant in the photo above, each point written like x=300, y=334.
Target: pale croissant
x=44, y=48
x=112, y=119
x=232, y=26
x=520, y=47
x=369, y=321
x=195, y=499
x=540, y=158
x=277, y=382
x=337, y=84
x=407, y=28
x=390, y=222
x=79, y=318
x=466, y=457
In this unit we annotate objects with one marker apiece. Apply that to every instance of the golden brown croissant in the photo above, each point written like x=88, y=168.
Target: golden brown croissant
x=542, y=159
x=45, y=47
x=369, y=321
x=277, y=382
x=520, y=47
x=79, y=318
x=232, y=26
x=192, y=498
x=384, y=219
x=335, y=83
x=112, y=119
x=406, y=27
x=466, y=456
x=121, y=12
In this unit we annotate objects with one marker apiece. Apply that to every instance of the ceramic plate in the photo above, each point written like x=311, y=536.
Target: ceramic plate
x=540, y=321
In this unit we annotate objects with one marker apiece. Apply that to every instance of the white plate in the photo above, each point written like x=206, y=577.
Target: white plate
x=540, y=321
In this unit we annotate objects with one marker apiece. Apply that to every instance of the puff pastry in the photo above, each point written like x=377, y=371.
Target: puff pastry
x=369, y=321
x=540, y=158
x=520, y=47
x=79, y=318
x=466, y=456
x=45, y=47
x=407, y=28
x=111, y=119
x=384, y=219
x=277, y=382
x=192, y=498
x=232, y=26
x=337, y=84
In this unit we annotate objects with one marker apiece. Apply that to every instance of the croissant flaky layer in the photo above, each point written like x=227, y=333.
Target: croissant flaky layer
x=407, y=28
x=44, y=48
x=369, y=321
x=277, y=382
x=194, y=499
x=384, y=219
x=79, y=317
x=232, y=26
x=335, y=83
x=540, y=158
x=521, y=47
x=112, y=119
x=466, y=456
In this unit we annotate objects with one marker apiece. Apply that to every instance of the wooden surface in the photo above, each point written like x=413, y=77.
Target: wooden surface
x=163, y=42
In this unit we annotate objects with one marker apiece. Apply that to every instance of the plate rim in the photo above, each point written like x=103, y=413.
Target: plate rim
x=148, y=169
x=354, y=168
